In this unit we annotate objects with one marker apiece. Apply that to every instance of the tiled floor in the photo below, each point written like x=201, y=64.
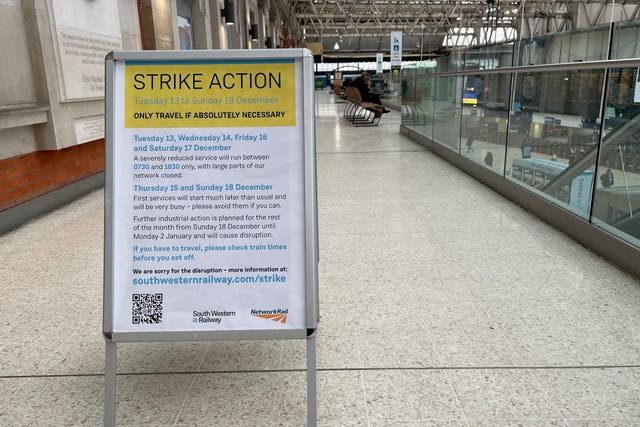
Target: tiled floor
x=442, y=304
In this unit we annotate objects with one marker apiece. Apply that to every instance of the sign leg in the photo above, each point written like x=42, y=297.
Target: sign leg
x=110, y=359
x=312, y=416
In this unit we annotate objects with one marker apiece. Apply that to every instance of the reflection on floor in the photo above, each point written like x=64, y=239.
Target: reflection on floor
x=441, y=304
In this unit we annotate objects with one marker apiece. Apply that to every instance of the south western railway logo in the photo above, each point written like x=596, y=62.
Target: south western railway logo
x=277, y=314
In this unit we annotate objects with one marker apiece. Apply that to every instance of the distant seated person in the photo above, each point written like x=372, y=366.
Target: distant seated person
x=607, y=179
x=363, y=84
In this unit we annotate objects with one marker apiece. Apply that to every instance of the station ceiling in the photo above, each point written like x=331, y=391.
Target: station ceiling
x=361, y=27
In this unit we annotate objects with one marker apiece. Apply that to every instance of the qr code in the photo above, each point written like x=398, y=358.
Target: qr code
x=146, y=308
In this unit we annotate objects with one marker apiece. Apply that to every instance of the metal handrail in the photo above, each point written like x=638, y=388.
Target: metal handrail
x=565, y=66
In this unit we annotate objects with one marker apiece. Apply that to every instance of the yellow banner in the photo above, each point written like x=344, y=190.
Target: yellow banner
x=204, y=94
x=315, y=47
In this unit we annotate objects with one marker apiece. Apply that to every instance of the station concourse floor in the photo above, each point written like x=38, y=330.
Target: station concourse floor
x=442, y=304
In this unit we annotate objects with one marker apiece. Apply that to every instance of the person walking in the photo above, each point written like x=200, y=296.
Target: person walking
x=469, y=143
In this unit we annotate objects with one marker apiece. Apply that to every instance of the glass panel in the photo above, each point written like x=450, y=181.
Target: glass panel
x=574, y=46
x=561, y=45
x=616, y=204
x=443, y=63
x=484, y=119
x=408, y=93
x=447, y=101
x=488, y=57
x=597, y=48
x=528, y=52
x=626, y=40
x=577, y=47
x=425, y=106
x=553, y=135
x=417, y=110
x=451, y=62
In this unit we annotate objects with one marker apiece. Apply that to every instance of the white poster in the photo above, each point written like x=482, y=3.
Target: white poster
x=89, y=128
x=84, y=37
x=396, y=48
x=636, y=93
x=580, y=196
x=208, y=195
x=379, y=59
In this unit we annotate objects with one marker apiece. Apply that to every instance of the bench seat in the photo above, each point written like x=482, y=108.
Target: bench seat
x=359, y=112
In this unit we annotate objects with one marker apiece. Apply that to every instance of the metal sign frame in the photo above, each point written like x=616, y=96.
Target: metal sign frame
x=305, y=58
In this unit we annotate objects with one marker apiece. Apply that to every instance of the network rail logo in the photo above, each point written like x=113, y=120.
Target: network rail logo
x=277, y=314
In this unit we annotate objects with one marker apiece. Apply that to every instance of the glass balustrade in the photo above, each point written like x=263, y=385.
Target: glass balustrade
x=485, y=115
x=571, y=136
x=616, y=205
x=553, y=134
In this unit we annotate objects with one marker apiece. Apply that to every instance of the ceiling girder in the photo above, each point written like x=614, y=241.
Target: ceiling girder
x=374, y=19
